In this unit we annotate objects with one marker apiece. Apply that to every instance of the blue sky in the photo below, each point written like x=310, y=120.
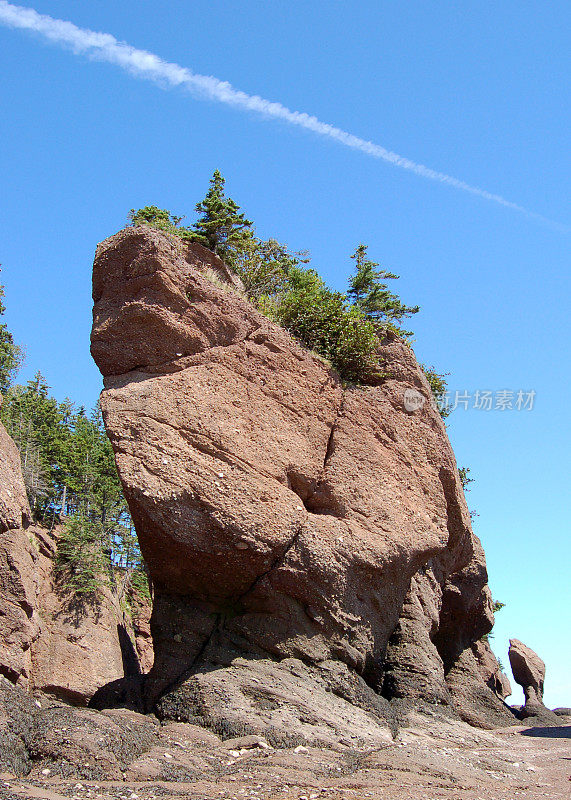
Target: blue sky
x=475, y=90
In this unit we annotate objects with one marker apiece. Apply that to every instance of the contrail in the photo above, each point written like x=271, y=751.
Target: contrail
x=141, y=64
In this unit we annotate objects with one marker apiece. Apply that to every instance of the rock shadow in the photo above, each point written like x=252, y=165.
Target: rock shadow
x=563, y=732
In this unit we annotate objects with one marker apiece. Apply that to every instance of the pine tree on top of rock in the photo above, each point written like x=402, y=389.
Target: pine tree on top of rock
x=221, y=227
x=372, y=296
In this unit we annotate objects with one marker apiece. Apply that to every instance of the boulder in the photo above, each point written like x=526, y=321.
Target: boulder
x=287, y=704
x=282, y=515
x=87, y=744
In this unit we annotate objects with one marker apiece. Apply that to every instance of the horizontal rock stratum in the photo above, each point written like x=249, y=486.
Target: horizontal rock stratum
x=304, y=539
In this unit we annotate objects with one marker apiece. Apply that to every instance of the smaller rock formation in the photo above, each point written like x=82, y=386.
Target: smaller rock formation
x=84, y=642
x=529, y=671
x=50, y=640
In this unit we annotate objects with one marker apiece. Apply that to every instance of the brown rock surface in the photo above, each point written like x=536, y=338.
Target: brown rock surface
x=287, y=703
x=528, y=670
x=491, y=670
x=85, y=642
x=281, y=515
x=14, y=508
x=50, y=640
x=19, y=622
x=80, y=753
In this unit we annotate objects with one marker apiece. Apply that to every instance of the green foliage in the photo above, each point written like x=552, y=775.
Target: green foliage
x=323, y=321
x=37, y=424
x=140, y=583
x=70, y=476
x=496, y=606
x=465, y=479
x=11, y=355
x=343, y=329
x=371, y=295
x=221, y=227
x=81, y=561
x=264, y=268
x=438, y=387
x=157, y=218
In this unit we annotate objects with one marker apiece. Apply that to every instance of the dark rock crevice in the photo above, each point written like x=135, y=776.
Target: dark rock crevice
x=278, y=561
x=317, y=496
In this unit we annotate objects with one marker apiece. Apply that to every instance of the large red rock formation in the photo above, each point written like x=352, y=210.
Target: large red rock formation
x=281, y=514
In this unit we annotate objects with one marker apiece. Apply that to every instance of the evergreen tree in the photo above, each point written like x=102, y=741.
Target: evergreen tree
x=323, y=320
x=98, y=534
x=264, y=267
x=157, y=217
x=10, y=353
x=343, y=329
x=81, y=563
x=36, y=423
x=369, y=292
x=221, y=227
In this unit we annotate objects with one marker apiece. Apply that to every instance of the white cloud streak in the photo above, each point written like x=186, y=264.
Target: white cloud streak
x=148, y=66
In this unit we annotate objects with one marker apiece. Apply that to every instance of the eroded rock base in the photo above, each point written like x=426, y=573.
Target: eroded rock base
x=62, y=752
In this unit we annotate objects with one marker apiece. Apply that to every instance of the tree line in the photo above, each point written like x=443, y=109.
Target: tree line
x=70, y=478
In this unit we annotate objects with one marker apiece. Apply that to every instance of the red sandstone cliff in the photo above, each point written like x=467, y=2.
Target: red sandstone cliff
x=282, y=515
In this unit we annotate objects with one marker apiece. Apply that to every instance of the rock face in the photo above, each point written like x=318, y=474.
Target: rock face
x=282, y=516
x=20, y=624
x=84, y=643
x=51, y=641
x=14, y=508
x=490, y=669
